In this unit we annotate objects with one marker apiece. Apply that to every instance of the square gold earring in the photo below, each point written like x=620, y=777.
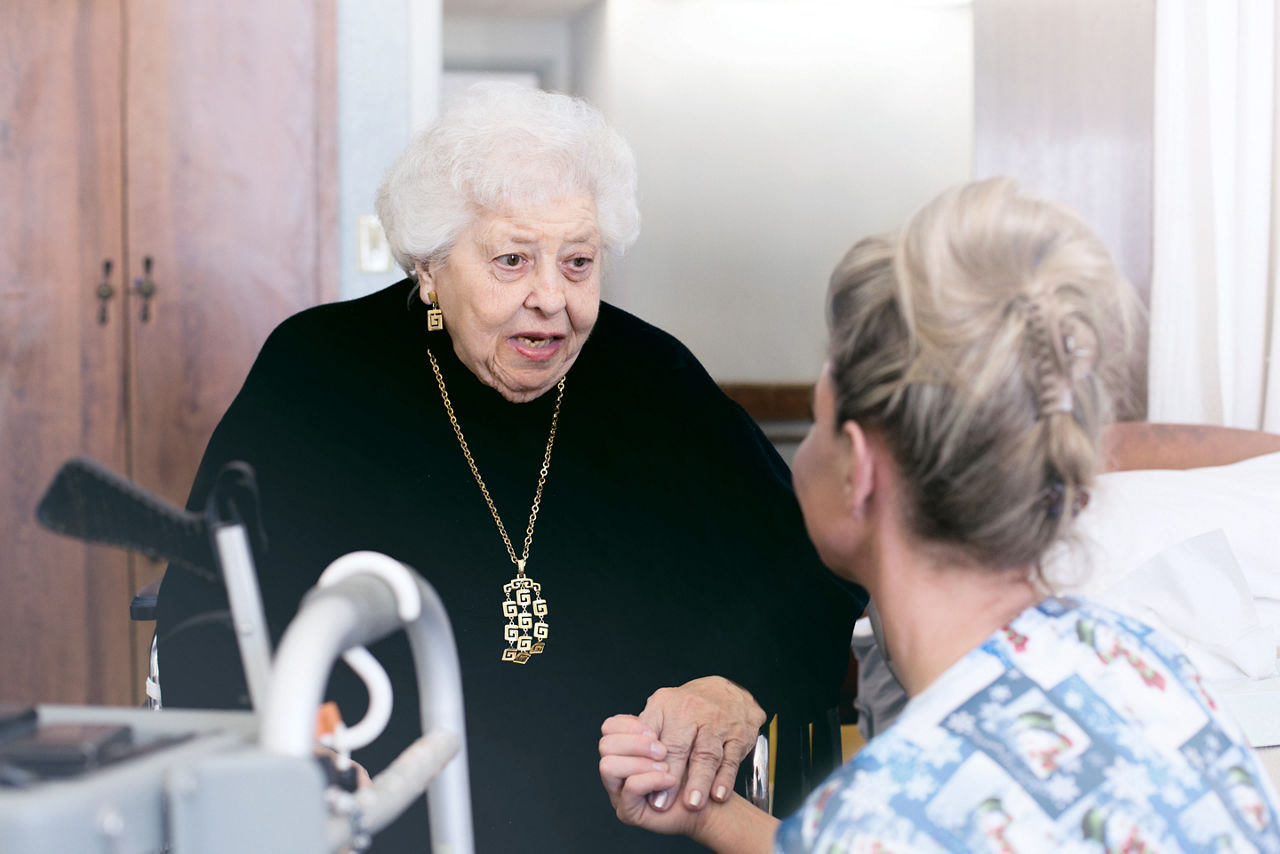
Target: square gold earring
x=435, y=317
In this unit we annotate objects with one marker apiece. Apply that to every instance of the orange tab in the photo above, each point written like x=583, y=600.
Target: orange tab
x=327, y=719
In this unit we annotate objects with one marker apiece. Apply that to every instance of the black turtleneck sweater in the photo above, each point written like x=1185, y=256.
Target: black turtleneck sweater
x=669, y=546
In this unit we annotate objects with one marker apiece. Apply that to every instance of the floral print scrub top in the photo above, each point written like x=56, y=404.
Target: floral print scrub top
x=1072, y=729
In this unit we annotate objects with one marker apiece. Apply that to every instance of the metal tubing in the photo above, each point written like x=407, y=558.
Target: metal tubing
x=246, y=610
x=355, y=611
x=440, y=697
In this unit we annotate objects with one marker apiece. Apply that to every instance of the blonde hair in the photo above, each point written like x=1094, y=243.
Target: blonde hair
x=498, y=146
x=983, y=340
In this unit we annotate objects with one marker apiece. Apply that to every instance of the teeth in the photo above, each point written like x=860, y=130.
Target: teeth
x=534, y=342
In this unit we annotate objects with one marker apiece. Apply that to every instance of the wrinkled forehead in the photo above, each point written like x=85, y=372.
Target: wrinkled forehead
x=571, y=219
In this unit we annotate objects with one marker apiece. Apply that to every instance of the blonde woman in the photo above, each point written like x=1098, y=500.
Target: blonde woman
x=956, y=436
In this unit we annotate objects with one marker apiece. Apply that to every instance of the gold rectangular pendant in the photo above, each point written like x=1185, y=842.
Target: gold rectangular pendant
x=523, y=604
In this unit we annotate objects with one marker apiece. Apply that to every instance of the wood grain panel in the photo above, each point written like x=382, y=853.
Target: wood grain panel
x=328, y=263
x=773, y=401
x=231, y=175
x=64, y=633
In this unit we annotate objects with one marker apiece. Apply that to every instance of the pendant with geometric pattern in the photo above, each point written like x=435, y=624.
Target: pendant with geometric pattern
x=526, y=611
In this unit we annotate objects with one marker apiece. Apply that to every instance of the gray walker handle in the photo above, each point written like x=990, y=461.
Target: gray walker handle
x=357, y=609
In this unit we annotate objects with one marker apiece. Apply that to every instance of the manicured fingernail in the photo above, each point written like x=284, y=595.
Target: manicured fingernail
x=720, y=793
x=695, y=798
x=659, y=800
x=656, y=750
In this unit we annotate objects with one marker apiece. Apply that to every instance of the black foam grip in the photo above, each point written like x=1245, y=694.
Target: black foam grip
x=90, y=502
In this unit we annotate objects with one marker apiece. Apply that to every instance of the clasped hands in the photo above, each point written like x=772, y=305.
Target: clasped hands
x=661, y=767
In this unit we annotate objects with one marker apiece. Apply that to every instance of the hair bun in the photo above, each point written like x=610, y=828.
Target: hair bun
x=983, y=341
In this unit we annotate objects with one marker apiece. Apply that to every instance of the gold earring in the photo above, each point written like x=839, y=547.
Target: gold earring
x=435, y=317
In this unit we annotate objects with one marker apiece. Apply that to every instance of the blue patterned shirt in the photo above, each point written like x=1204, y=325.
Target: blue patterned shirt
x=1072, y=729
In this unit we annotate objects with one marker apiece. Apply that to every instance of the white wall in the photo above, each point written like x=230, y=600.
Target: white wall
x=541, y=45
x=770, y=135
x=391, y=55
x=388, y=83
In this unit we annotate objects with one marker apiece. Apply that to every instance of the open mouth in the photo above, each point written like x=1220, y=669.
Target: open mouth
x=535, y=346
x=536, y=342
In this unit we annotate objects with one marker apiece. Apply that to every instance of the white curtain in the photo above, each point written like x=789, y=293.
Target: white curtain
x=1215, y=311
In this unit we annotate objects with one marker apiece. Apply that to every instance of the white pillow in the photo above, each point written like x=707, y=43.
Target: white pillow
x=1195, y=593
x=1137, y=516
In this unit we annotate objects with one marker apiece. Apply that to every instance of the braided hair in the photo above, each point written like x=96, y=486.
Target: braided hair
x=985, y=340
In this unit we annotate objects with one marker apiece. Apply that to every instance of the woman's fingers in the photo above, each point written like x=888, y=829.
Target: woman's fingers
x=634, y=767
x=618, y=771
x=708, y=725
x=632, y=805
x=706, y=759
x=623, y=744
x=727, y=775
x=626, y=724
x=629, y=780
x=668, y=713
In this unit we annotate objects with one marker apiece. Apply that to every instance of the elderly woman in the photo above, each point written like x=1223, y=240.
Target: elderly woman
x=489, y=422
x=955, y=436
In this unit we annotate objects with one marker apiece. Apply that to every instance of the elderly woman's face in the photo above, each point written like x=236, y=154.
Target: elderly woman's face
x=520, y=292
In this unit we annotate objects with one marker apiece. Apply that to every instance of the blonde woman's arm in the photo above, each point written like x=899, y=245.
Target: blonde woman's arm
x=633, y=766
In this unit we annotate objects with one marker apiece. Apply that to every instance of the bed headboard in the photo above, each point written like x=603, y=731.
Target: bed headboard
x=1133, y=445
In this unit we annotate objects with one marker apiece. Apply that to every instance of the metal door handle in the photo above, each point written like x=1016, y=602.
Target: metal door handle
x=104, y=291
x=145, y=288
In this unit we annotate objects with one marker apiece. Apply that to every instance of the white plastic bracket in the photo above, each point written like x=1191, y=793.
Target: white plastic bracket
x=408, y=605
x=397, y=576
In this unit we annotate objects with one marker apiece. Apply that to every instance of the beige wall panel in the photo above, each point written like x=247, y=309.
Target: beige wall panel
x=1064, y=101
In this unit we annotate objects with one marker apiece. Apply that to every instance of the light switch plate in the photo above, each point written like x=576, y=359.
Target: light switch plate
x=375, y=253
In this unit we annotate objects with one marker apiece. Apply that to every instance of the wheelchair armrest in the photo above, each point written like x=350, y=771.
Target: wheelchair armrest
x=143, y=606
x=806, y=752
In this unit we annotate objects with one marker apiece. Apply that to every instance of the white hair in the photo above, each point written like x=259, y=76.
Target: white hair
x=500, y=146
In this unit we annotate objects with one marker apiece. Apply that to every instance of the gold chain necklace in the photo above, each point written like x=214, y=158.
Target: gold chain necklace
x=523, y=605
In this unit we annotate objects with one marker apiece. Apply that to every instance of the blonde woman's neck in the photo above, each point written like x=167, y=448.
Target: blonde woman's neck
x=933, y=613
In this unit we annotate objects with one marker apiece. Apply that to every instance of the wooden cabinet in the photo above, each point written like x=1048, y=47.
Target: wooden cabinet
x=198, y=134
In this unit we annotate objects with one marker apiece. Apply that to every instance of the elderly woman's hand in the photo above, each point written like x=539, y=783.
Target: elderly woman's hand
x=708, y=726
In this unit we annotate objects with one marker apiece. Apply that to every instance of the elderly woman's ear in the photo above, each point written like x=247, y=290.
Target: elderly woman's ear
x=423, y=273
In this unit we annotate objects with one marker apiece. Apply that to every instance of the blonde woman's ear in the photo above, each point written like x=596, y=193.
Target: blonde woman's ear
x=859, y=468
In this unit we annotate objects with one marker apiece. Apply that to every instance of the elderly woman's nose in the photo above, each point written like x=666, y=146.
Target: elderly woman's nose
x=548, y=292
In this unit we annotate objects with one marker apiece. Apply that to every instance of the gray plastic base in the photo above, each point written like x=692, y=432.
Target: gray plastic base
x=214, y=792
